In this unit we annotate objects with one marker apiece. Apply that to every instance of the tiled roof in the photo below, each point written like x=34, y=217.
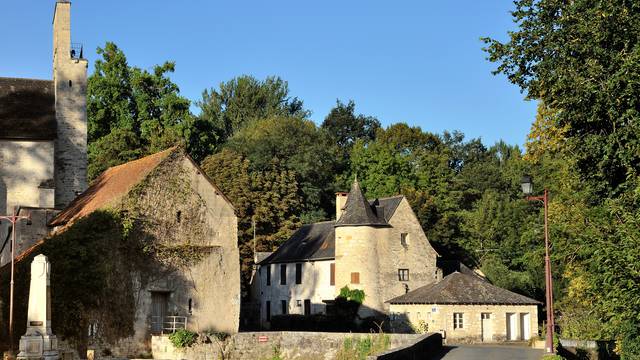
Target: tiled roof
x=110, y=186
x=358, y=211
x=27, y=109
x=459, y=288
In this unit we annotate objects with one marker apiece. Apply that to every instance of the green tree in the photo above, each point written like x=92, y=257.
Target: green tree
x=243, y=99
x=345, y=127
x=131, y=112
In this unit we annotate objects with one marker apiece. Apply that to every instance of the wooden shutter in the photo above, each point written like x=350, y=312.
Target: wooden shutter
x=332, y=275
x=355, y=278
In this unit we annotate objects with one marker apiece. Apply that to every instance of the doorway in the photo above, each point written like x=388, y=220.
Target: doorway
x=486, y=327
x=159, y=301
x=525, y=326
x=512, y=327
x=307, y=307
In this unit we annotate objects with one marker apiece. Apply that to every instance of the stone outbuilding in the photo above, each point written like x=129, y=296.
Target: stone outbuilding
x=466, y=308
x=173, y=264
x=377, y=246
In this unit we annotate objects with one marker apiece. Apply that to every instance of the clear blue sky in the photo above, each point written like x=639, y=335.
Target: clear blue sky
x=418, y=61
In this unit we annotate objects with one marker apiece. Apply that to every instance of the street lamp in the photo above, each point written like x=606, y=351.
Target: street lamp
x=527, y=189
x=13, y=219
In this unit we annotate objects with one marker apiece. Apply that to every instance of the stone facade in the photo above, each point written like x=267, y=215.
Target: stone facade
x=480, y=323
x=70, y=83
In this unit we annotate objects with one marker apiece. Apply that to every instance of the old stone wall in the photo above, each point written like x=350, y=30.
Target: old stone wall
x=70, y=81
x=416, y=254
x=263, y=345
x=439, y=318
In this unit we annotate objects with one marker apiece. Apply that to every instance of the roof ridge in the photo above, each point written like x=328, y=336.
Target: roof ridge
x=18, y=78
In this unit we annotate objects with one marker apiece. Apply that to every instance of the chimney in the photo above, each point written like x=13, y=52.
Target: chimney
x=62, y=30
x=341, y=201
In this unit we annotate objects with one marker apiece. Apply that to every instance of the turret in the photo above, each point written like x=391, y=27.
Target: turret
x=70, y=87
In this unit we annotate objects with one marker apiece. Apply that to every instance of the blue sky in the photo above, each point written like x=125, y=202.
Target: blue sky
x=418, y=62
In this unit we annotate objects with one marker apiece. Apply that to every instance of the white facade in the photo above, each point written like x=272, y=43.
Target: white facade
x=314, y=286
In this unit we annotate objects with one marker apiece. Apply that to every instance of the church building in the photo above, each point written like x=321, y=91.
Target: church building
x=43, y=139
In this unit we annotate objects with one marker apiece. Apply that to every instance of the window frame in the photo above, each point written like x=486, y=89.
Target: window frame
x=401, y=274
x=269, y=275
x=458, y=320
x=332, y=274
x=298, y=273
x=283, y=274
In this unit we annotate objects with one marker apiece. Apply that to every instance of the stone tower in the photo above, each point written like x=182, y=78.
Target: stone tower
x=70, y=87
x=359, y=231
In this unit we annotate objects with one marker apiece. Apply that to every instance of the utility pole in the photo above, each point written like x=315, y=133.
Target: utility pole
x=13, y=219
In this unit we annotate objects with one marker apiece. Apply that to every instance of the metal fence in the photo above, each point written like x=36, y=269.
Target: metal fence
x=167, y=324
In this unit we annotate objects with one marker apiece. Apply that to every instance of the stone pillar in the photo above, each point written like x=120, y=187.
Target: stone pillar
x=39, y=342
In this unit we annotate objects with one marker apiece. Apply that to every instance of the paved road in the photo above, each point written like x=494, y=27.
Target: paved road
x=489, y=352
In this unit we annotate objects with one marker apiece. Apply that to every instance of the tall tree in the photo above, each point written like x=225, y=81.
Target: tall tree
x=346, y=127
x=131, y=112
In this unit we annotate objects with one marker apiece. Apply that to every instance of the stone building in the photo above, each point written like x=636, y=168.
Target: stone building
x=374, y=245
x=466, y=308
x=43, y=138
x=189, y=276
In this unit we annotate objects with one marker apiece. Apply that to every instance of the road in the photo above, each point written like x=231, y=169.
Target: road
x=488, y=352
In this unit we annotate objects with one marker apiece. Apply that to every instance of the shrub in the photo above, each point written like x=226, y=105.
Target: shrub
x=360, y=348
x=183, y=338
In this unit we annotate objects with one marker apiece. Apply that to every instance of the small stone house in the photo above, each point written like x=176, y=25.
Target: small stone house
x=185, y=271
x=466, y=308
x=376, y=245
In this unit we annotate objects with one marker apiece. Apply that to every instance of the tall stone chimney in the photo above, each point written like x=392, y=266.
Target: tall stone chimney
x=70, y=84
x=341, y=201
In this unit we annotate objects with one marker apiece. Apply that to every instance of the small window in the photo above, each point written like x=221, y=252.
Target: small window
x=355, y=278
x=70, y=83
x=178, y=216
x=403, y=274
x=283, y=274
x=283, y=304
x=332, y=274
x=485, y=316
x=268, y=275
x=299, y=303
x=457, y=321
x=190, y=306
x=298, y=273
x=268, y=310
x=404, y=239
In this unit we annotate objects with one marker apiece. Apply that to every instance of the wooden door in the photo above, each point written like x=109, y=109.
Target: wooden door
x=487, y=327
x=159, y=302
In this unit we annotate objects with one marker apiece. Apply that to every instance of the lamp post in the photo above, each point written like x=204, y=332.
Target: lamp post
x=13, y=219
x=527, y=189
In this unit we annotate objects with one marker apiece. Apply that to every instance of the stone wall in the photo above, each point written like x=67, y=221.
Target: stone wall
x=439, y=318
x=262, y=345
x=70, y=81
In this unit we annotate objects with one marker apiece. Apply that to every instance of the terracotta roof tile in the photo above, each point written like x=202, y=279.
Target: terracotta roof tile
x=110, y=186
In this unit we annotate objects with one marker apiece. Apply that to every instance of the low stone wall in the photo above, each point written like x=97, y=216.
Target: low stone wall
x=429, y=344
x=264, y=345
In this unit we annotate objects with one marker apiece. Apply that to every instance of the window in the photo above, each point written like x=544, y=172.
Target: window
x=190, y=306
x=268, y=311
x=485, y=316
x=298, y=273
x=283, y=274
x=403, y=274
x=283, y=304
x=404, y=239
x=332, y=274
x=457, y=321
x=355, y=278
x=299, y=303
x=268, y=275
x=178, y=216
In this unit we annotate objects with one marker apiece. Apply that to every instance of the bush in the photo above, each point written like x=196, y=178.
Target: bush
x=360, y=348
x=183, y=338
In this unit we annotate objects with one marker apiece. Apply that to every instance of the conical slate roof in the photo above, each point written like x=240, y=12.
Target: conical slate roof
x=358, y=211
x=459, y=288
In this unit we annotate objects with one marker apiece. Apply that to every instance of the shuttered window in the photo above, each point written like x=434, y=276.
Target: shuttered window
x=283, y=274
x=298, y=273
x=332, y=274
x=268, y=275
x=355, y=278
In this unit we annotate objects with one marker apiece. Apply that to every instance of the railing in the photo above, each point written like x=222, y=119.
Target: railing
x=168, y=324
x=76, y=51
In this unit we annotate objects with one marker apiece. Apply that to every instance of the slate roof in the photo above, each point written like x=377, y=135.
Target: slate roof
x=27, y=109
x=459, y=288
x=358, y=211
x=261, y=255
x=317, y=241
x=311, y=242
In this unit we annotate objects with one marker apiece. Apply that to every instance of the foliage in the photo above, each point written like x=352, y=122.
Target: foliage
x=552, y=357
x=183, y=338
x=131, y=112
x=360, y=347
x=276, y=353
x=356, y=295
x=421, y=327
